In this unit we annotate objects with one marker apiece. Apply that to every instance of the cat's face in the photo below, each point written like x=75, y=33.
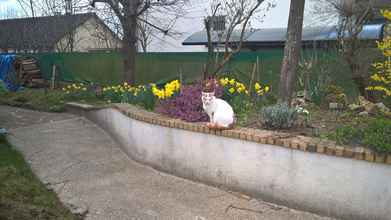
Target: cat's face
x=207, y=97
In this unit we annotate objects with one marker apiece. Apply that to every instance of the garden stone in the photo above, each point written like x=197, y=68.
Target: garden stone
x=335, y=106
x=382, y=107
x=369, y=106
x=79, y=209
x=303, y=95
x=364, y=113
x=298, y=102
x=356, y=108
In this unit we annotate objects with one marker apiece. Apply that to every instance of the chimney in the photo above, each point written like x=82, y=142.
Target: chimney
x=68, y=7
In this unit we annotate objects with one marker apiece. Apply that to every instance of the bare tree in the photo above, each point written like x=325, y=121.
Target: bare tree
x=208, y=23
x=237, y=14
x=38, y=8
x=130, y=14
x=352, y=16
x=291, y=50
x=145, y=33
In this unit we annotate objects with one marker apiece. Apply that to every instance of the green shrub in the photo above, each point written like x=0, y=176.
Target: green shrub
x=279, y=116
x=347, y=135
x=3, y=90
x=378, y=135
x=374, y=133
x=242, y=107
x=144, y=98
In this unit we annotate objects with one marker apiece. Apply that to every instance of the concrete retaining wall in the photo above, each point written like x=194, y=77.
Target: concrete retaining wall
x=328, y=185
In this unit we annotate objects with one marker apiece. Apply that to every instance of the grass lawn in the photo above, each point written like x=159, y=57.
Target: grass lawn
x=41, y=100
x=22, y=195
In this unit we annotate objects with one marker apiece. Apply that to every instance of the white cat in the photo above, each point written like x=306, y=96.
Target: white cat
x=220, y=113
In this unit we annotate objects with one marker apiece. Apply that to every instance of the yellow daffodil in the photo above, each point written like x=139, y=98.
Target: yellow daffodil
x=223, y=82
x=267, y=88
x=257, y=86
x=381, y=78
x=168, y=90
x=231, y=90
x=386, y=14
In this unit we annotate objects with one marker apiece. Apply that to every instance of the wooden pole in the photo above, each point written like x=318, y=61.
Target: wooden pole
x=53, y=79
x=257, y=78
x=250, y=87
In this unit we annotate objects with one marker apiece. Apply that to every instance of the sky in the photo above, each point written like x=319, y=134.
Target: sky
x=193, y=22
x=8, y=4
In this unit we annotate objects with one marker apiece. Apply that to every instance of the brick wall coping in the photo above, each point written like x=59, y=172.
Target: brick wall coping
x=296, y=142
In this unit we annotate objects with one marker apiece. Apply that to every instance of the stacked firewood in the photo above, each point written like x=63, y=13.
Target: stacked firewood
x=28, y=72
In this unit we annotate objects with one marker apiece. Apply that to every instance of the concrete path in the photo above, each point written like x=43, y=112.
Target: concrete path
x=91, y=174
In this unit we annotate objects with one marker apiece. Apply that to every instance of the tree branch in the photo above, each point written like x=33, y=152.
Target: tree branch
x=227, y=55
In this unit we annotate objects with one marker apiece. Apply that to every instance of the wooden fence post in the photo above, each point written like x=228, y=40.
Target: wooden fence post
x=53, y=79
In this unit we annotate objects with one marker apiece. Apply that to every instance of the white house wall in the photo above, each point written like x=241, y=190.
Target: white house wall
x=90, y=36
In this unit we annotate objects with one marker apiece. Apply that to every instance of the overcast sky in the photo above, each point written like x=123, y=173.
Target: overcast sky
x=193, y=22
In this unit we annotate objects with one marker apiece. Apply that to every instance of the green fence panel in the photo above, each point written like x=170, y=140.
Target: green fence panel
x=107, y=68
x=81, y=67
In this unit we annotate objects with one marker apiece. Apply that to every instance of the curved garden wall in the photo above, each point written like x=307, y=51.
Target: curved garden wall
x=298, y=172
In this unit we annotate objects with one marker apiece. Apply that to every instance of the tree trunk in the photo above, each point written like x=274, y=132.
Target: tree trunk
x=130, y=42
x=291, y=51
x=209, y=63
x=351, y=57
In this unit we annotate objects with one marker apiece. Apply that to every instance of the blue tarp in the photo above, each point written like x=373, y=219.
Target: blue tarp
x=7, y=73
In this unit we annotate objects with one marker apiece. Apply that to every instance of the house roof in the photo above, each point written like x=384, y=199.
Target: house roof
x=278, y=35
x=38, y=32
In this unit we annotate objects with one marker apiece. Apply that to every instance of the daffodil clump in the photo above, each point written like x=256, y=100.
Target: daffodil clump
x=144, y=95
x=381, y=77
x=122, y=92
x=123, y=88
x=233, y=87
x=386, y=14
x=169, y=90
x=75, y=88
x=261, y=90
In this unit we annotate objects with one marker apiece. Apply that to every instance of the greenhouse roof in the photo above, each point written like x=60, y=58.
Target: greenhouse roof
x=278, y=35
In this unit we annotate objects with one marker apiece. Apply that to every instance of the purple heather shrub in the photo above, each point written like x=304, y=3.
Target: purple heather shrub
x=187, y=105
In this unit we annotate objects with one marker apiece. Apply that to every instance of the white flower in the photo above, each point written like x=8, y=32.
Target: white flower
x=302, y=110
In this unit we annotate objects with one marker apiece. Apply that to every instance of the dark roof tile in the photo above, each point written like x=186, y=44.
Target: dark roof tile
x=38, y=32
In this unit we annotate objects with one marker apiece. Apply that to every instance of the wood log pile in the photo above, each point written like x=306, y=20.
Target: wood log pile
x=28, y=73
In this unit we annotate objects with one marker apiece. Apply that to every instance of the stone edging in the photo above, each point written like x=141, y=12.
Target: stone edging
x=296, y=142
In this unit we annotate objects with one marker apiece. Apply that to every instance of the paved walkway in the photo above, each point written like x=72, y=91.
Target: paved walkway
x=90, y=173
